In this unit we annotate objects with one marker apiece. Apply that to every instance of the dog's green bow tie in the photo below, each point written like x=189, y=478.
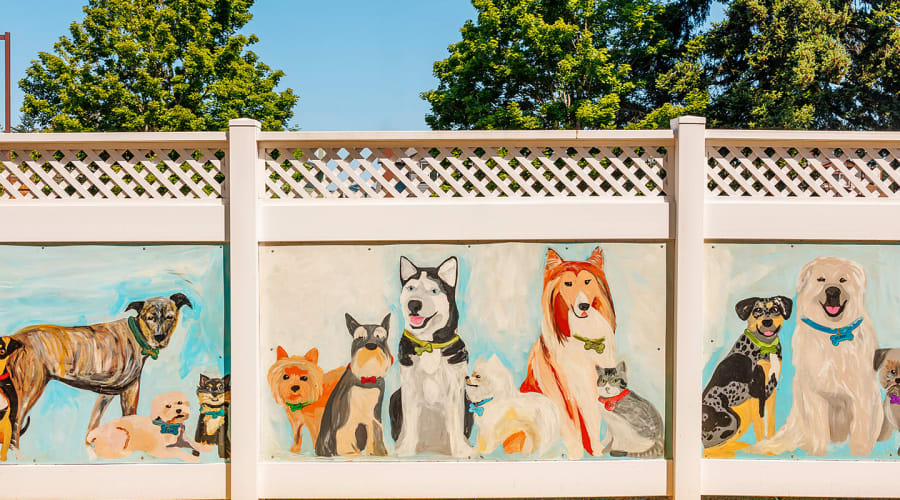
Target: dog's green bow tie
x=166, y=428
x=296, y=406
x=598, y=345
x=146, y=350
x=216, y=413
x=425, y=346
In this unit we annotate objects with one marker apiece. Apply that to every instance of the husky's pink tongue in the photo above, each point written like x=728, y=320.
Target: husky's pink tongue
x=832, y=309
x=416, y=320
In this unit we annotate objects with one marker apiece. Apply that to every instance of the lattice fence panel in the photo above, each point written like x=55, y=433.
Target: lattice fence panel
x=463, y=171
x=842, y=171
x=133, y=173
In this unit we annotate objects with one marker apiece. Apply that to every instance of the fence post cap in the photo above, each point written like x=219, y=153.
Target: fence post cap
x=687, y=120
x=243, y=122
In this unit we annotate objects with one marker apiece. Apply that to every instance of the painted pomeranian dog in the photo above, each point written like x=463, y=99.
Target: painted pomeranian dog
x=302, y=388
x=351, y=424
x=214, y=395
x=160, y=435
x=429, y=415
x=634, y=428
x=577, y=337
x=523, y=423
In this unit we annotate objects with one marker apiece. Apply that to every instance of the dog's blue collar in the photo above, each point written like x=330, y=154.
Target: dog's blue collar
x=838, y=335
x=477, y=409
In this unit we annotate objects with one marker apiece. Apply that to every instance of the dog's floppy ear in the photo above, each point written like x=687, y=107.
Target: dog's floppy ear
x=407, y=269
x=137, y=306
x=787, y=305
x=227, y=380
x=204, y=379
x=880, y=354
x=281, y=353
x=448, y=271
x=352, y=324
x=312, y=356
x=386, y=323
x=596, y=258
x=180, y=300
x=744, y=307
x=12, y=344
x=553, y=259
x=560, y=316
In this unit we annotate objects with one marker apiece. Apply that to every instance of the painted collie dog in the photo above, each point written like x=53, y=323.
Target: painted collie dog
x=577, y=336
x=431, y=414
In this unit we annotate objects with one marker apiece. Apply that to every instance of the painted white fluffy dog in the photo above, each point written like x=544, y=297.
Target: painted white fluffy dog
x=526, y=423
x=836, y=393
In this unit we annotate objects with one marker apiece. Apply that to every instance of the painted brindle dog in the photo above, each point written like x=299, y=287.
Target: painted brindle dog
x=106, y=358
x=742, y=388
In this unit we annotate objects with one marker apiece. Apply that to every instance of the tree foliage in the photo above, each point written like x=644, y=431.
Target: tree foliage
x=154, y=65
x=639, y=63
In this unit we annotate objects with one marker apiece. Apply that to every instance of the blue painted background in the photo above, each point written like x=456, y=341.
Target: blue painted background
x=737, y=271
x=79, y=285
x=305, y=291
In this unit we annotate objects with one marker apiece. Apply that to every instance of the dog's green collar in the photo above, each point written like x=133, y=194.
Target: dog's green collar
x=297, y=406
x=425, y=346
x=765, y=348
x=145, y=347
x=598, y=345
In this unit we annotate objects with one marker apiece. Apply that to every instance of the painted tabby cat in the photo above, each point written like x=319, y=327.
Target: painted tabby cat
x=212, y=426
x=634, y=427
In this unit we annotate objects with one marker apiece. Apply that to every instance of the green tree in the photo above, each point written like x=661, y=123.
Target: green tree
x=529, y=64
x=154, y=65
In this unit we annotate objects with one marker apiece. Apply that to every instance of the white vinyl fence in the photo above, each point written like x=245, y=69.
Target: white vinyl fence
x=244, y=187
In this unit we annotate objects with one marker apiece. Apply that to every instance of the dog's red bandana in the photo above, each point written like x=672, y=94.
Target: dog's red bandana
x=4, y=376
x=368, y=380
x=610, y=403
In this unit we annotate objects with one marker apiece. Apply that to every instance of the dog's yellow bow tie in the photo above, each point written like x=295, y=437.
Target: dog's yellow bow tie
x=425, y=346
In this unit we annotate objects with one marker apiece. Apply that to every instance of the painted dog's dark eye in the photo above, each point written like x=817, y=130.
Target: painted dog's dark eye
x=304, y=378
x=168, y=406
x=821, y=279
x=568, y=283
x=285, y=377
x=843, y=280
x=477, y=376
x=587, y=281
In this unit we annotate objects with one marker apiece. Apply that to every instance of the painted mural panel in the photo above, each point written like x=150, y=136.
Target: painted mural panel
x=485, y=351
x=113, y=353
x=799, y=346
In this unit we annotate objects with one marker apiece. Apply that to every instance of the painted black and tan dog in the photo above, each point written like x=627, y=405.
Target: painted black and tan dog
x=742, y=388
x=9, y=400
x=106, y=358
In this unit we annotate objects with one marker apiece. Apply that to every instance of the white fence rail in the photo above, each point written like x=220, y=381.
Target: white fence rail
x=246, y=187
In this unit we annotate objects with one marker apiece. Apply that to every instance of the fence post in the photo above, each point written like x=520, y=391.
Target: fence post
x=689, y=167
x=243, y=181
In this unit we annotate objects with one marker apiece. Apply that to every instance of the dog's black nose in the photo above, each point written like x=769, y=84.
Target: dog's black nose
x=767, y=322
x=897, y=380
x=371, y=346
x=415, y=306
x=584, y=306
x=832, y=291
x=295, y=388
x=178, y=410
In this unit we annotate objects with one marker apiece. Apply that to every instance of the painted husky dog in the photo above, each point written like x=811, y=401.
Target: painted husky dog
x=431, y=415
x=578, y=335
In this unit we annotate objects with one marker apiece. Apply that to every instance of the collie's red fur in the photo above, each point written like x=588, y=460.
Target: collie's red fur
x=564, y=281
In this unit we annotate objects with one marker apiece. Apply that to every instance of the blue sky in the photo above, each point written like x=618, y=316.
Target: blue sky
x=356, y=65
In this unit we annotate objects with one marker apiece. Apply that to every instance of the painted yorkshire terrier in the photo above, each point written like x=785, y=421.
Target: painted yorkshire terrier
x=351, y=424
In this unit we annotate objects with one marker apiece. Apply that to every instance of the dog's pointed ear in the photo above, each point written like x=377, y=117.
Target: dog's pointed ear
x=880, y=354
x=553, y=259
x=204, y=379
x=744, y=307
x=448, y=271
x=787, y=305
x=312, y=356
x=352, y=324
x=180, y=300
x=137, y=306
x=280, y=353
x=386, y=323
x=596, y=258
x=227, y=380
x=407, y=269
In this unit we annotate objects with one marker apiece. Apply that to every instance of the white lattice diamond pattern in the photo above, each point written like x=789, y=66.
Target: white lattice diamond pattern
x=134, y=173
x=840, y=171
x=422, y=171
